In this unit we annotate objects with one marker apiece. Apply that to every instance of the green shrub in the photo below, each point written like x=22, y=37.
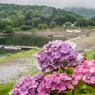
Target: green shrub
x=29, y=27
x=9, y=54
x=40, y=26
x=68, y=23
x=17, y=29
x=52, y=24
x=45, y=26
x=25, y=27
x=9, y=29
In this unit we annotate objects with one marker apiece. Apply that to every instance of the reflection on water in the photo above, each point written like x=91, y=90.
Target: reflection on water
x=3, y=52
x=2, y=37
x=24, y=40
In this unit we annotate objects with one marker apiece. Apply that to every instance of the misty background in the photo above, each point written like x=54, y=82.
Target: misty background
x=54, y=3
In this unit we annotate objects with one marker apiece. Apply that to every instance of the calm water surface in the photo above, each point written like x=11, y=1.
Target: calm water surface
x=23, y=40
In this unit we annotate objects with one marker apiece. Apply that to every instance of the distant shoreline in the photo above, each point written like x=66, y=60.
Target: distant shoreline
x=55, y=33
x=17, y=33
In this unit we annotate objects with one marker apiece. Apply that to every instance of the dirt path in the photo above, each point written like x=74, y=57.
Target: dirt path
x=68, y=33
x=14, y=68
x=85, y=44
x=10, y=70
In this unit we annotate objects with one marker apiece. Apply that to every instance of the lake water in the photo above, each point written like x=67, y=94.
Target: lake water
x=23, y=40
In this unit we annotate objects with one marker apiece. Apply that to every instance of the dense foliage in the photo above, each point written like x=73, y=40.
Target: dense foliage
x=24, y=17
x=68, y=23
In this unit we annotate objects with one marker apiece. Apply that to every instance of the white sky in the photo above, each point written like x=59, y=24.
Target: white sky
x=54, y=3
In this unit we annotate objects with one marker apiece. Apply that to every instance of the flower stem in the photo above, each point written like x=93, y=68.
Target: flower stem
x=73, y=92
x=59, y=70
x=63, y=69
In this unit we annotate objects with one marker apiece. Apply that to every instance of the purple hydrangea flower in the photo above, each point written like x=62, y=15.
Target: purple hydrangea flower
x=58, y=53
x=27, y=85
x=93, y=55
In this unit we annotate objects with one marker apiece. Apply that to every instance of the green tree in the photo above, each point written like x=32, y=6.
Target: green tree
x=70, y=17
x=17, y=29
x=60, y=19
x=52, y=24
x=25, y=27
x=3, y=14
x=40, y=26
x=91, y=23
x=68, y=23
x=36, y=21
x=9, y=29
x=29, y=27
x=21, y=20
x=82, y=22
x=45, y=26
x=93, y=18
x=3, y=23
x=29, y=22
x=9, y=22
x=28, y=14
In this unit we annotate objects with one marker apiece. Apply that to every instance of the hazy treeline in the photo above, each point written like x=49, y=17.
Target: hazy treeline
x=86, y=12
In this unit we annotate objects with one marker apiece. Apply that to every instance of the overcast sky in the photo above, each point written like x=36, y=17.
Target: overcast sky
x=54, y=3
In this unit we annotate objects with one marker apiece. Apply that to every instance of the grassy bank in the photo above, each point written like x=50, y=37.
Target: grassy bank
x=60, y=27
x=56, y=28
x=90, y=35
x=6, y=88
x=89, y=54
x=49, y=29
x=20, y=54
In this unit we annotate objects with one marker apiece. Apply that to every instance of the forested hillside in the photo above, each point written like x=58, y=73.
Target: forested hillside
x=86, y=12
x=25, y=17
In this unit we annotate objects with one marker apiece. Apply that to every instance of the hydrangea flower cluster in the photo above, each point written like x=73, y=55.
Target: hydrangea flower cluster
x=58, y=53
x=86, y=72
x=55, y=81
x=54, y=54
x=27, y=85
x=94, y=55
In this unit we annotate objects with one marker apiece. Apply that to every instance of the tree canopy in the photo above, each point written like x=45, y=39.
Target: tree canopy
x=23, y=17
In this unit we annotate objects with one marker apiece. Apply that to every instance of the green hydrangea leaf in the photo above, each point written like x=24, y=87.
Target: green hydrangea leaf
x=70, y=70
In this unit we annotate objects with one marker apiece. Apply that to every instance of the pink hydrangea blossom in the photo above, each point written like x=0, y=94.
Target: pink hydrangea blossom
x=86, y=72
x=56, y=81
